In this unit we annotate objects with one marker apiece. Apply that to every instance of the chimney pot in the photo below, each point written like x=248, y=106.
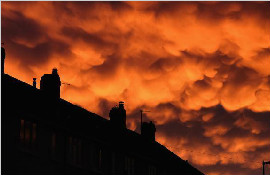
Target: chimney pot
x=121, y=105
x=54, y=71
x=35, y=82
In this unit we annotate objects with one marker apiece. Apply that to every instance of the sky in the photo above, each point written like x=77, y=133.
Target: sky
x=201, y=68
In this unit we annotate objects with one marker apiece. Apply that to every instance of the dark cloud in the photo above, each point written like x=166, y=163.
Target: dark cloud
x=164, y=65
x=108, y=68
x=106, y=106
x=95, y=40
x=18, y=26
x=40, y=53
x=27, y=41
x=213, y=11
x=239, y=76
x=118, y=6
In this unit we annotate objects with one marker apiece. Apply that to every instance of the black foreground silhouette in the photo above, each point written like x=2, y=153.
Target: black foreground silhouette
x=44, y=134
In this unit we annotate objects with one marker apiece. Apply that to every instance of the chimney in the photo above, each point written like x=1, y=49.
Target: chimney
x=121, y=105
x=35, y=82
x=118, y=115
x=148, y=131
x=50, y=84
x=3, y=56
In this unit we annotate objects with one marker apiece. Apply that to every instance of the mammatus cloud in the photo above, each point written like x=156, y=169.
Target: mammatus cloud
x=201, y=68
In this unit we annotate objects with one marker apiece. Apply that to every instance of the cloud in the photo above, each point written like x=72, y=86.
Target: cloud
x=201, y=68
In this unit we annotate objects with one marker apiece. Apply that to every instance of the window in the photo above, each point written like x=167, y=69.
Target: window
x=53, y=145
x=22, y=131
x=28, y=133
x=99, y=159
x=129, y=165
x=152, y=170
x=113, y=165
x=34, y=132
x=74, y=151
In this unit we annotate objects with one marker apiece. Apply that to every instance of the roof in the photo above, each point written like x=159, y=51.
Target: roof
x=63, y=115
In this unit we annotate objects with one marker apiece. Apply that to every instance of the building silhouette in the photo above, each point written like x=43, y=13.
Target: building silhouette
x=44, y=134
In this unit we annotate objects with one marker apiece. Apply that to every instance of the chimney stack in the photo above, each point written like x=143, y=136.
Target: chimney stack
x=50, y=84
x=148, y=131
x=118, y=115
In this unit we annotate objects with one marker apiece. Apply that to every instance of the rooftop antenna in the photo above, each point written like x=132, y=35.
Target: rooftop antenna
x=141, y=111
x=3, y=56
x=65, y=83
x=264, y=163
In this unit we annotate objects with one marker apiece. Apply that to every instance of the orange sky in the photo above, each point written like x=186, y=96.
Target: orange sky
x=201, y=68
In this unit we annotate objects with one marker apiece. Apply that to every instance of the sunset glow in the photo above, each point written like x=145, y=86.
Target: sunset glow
x=201, y=68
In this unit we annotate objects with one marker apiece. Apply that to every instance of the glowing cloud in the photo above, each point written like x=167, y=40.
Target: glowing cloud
x=202, y=68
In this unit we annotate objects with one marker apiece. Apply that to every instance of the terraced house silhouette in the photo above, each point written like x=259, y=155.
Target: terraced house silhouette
x=44, y=134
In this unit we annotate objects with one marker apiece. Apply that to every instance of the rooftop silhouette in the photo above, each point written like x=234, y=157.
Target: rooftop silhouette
x=42, y=133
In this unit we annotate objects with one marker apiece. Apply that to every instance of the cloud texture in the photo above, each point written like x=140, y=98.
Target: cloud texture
x=201, y=68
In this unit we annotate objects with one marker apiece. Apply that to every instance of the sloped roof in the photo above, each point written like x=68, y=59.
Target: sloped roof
x=74, y=119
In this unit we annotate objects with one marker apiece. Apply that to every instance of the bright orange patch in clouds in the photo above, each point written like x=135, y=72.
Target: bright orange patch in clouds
x=202, y=68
